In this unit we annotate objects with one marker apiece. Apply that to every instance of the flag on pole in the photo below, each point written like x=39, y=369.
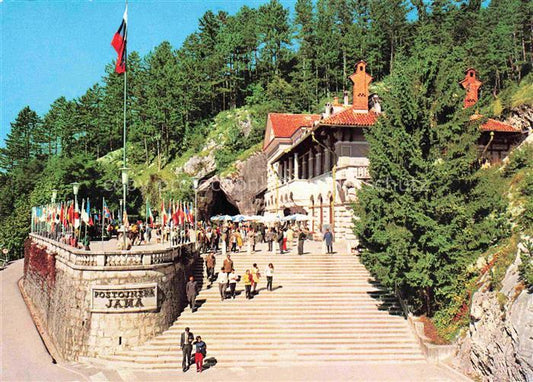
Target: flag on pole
x=170, y=212
x=119, y=43
x=149, y=216
x=191, y=213
x=175, y=214
x=88, y=213
x=76, y=214
x=62, y=214
x=163, y=213
x=70, y=213
x=84, y=215
x=107, y=213
x=186, y=213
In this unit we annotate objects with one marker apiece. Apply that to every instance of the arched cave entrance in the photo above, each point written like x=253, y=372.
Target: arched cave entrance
x=216, y=202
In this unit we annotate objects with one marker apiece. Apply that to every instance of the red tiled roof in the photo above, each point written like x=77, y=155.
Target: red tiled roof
x=284, y=125
x=494, y=125
x=350, y=117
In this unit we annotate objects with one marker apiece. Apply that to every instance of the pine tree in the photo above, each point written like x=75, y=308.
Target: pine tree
x=304, y=73
x=21, y=142
x=428, y=214
x=275, y=37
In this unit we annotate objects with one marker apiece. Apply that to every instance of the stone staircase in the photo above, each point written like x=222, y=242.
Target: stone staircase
x=324, y=309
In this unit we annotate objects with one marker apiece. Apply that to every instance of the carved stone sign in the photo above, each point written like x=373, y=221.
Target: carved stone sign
x=124, y=298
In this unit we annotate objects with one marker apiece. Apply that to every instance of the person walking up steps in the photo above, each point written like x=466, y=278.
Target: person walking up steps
x=232, y=283
x=255, y=278
x=222, y=281
x=191, y=289
x=290, y=238
x=280, y=240
x=301, y=239
x=269, y=272
x=270, y=238
x=186, y=347
x=328, y=238
x=210, y=263
x=228, y=264
x=247, y=279
x=199, y=355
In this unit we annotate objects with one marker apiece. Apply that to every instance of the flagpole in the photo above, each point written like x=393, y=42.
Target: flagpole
x=124, y=156
x=103, y=220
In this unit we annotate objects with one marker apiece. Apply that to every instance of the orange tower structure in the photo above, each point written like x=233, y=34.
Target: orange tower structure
x=472, y=85
x=361, y=79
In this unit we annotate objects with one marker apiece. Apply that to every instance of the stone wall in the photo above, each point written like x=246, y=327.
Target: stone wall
x=61, y=293
x=499, y=343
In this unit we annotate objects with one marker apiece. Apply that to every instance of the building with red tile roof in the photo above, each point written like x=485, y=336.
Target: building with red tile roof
x=280, y=127
x=317, y=162
x=351, y=117
x=497, y=138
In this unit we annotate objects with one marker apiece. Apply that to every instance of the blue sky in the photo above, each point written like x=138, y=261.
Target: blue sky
x=54, y=48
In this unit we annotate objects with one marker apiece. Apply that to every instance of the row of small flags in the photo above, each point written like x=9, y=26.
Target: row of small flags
x=177, y=213
x=69, y=214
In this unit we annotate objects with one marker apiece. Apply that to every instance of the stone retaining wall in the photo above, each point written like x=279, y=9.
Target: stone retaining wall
x=90, y=310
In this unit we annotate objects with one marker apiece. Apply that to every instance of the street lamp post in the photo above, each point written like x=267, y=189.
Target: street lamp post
x=195, y=183
x=125, y=180
x=75, y=189
x=54, y=195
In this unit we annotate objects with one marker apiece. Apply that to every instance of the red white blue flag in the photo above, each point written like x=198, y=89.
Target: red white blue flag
x=119, y=43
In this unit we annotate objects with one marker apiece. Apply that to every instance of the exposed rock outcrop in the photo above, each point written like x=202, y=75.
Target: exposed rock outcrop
x=521, y=117
x=243, y=189
x=499, y=343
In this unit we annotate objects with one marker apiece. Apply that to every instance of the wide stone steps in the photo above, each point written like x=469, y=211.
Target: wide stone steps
x=324, y=308
x=283, y=360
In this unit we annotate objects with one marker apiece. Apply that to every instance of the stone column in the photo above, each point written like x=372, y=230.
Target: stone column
x=311, y=168
x=291, y=168
x=327, y=160
x=296, y=172
x=318, y=162
x=304, y=166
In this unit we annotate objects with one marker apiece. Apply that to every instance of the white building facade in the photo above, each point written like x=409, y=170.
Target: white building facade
x=317, y=162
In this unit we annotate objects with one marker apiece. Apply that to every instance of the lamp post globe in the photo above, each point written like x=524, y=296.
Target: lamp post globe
x=75, y=188
x=125, y=175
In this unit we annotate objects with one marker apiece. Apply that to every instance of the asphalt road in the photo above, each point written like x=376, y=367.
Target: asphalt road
x=24, y=357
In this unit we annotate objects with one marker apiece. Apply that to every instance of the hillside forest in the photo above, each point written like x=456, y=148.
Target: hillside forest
x=275, y=59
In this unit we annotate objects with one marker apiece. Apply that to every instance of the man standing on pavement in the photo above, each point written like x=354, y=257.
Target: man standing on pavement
x=210, y=262
x=328, y=238
x=187, y=338
x=191, y=289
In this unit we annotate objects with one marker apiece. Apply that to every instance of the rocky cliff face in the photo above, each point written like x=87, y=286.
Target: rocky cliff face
x=243, y=189
x=499, y=343
x=521, y=117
